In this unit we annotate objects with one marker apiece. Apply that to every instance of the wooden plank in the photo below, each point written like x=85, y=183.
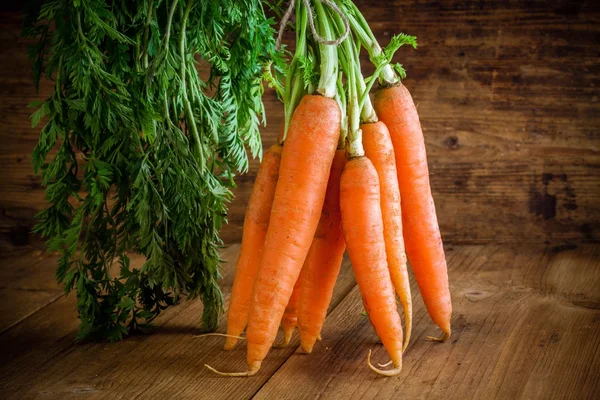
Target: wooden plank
x=27, y=284
x=508, y=94
x=526, y=324
x=167, y=363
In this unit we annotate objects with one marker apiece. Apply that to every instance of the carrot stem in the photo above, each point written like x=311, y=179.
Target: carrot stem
x=329, y=57
x=354, y=140
x=365, y=35
x=294, y=89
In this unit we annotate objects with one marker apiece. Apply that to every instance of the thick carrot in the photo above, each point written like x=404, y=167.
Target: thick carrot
x=379, y=149
x=290, y=315
x=395, y=107
x=323, y=262
x=303, y=174
x=256, y=222
x=362, y=224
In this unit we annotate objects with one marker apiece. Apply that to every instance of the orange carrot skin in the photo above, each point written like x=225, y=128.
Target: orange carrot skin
x=256, y=222
x=395, y=107
x=303, y=174
x=290, y=315
x=323, y=262
x=380, y=151
x=362, y=225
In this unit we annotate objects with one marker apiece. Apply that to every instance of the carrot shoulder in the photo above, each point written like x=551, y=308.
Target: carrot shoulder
x=362, y=225
x=254, y=232
x=395, y=107
x=305, y=163
x=323, y=262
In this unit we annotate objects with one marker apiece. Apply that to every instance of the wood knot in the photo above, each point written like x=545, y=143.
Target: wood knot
x=452, y=142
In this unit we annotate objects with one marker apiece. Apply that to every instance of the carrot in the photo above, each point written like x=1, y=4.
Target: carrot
x=256, y=222
x=363, y=229
x=303, y=174
x=323, y=262
x=395, y=107
x=290, y=315
x=379, y=149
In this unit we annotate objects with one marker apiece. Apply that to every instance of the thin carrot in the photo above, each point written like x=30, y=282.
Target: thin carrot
x=303, y=174
x=323, y=262
x=362, y=224
x=256, y=223
x=290, y=315
x=395, y=107
x=379, y=149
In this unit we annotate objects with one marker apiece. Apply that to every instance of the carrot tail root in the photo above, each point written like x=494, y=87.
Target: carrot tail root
x=392, y=372
x=230, y=343
x=445, y=336
x=287, y=338
x=252, y=371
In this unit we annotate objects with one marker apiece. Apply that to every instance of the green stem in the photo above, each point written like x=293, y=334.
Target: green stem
x=166, y=40
x=294, y=86
x=352, y=61
x=58, y=88
x=361, y=29
x=186, y=101
x=168, y=28
x=147, y=32
x=354, y=142
x=329, y=57
x=340, y=97
x=137, y=53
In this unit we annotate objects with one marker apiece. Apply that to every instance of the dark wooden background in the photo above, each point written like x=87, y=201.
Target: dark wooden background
x=508, y=93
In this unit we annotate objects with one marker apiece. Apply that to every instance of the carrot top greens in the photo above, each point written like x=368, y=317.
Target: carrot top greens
x=138, y=151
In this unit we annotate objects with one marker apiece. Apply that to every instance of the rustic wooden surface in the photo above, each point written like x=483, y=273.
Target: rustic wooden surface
x=508, y=94
x=526, y=324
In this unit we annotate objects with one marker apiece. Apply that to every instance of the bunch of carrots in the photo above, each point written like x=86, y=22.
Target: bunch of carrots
x=347, y=174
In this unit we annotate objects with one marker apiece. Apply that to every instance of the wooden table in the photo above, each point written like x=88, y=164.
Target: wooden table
x=526, y=324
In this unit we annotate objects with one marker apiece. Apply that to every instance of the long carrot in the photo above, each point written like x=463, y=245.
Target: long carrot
x=256, y=222
x=379, y=149
x=303, y=174
x=395, y=107
x=323, y=262
x=363, y=229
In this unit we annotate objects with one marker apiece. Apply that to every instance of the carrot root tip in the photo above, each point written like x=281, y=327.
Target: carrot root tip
x=230, y=343
x=220, y=334
x=281, y=345
x=445, y=336
x=252, y=370
x=392, y=372
x=307, y=348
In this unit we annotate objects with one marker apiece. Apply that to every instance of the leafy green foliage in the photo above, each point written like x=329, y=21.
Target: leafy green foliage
x=388, y=52
x=138, y=152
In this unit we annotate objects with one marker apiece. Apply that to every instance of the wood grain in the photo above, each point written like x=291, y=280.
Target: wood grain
x=27, y=284
x=524, y=326
x=170, y=362
x=508, y=94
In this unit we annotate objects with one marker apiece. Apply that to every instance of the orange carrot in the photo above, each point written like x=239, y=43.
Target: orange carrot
x=256, y=222
x=303, y=174
x=395, y=107
x=379, y=149
x=323, y=262
x=290, y=315
x=362, y=224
